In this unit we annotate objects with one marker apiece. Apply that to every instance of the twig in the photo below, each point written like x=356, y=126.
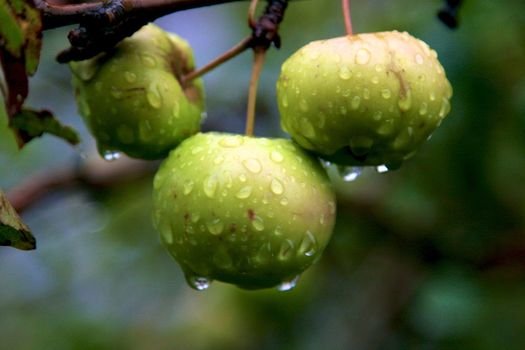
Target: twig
x=234, y=51
x=348, y=16
x=258, y=63
x=95, y=173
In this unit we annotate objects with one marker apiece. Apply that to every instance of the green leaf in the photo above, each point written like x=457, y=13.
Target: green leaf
x=31, y=124
x=13, y=232
x=21, y=31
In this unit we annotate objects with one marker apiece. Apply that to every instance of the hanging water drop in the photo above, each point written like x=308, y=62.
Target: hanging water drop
x=350, y=173
x=382, y=169
x=288, y=284
x=198, y=282
x=111, y=156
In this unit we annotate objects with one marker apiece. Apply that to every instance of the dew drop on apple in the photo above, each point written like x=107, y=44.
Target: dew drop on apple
x=153, y=96
x=356, y=102
x=285, y=252
x=345, y=73
x=252, y=165
x=350, y=173
x=386, y=94
x=277, y=187
x=215, y=226
x=423, y=109
x=130, y=77
x=308, y=245
x=362, y=56
x=258, y=224
x=288, y=284
x=210, y=186
x=405, y=103
x=198, y=282
x=244, y=192
x=188, y=187
x=276, y=156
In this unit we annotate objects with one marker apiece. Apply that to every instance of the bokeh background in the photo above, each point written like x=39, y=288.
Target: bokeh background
x=431, y=256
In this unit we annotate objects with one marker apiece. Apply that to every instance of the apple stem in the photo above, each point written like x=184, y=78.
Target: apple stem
x=258, y=63
x=231, y=53
x=348, y=17
x=252, y=22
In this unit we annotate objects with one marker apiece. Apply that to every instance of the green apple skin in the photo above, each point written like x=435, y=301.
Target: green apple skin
x=366, y=99
x=249, y=211
x=132, y=99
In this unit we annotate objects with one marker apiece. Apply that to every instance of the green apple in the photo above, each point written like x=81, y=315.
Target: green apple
x=254, y=212
x=132, y=98
x=366, y=99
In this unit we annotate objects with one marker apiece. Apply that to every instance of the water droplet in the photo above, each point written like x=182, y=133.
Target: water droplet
x=378, y=68
x=445, y=108
x=252, y=165
x=303, y=105
x=153, y=96
x=231, y=141
x=423, y=109
x=244, y=192
x=176, y=110
x=419, y=59
x=350, y=173
x=307, y=128
x=356, y=101
x=378, y=115
x=111, y=155
x=386, y=127
x=276, y=156
x=432, y=96
x=284, y=100
x=117, y=93
x=277, y=187
x=278, y=231
x=130, y=77
x=196, y=150
x=242, y=178
x=188, y=187
x=405, y=103
x=343, y=110
x=210, y=186
x=286, y=250
x=215, y=226
x=308, y=245
x=382, y=169
x=362, y=56
x=148, y=60
x=345, y=73
x=288, y=284
x=386, y=93
x=258, y=224
x=198, y=282
x=313, y=54
x=375, y=79
x=284, y=201
x=366, y=94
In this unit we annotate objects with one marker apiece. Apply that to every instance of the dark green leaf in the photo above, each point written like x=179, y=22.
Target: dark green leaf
x=13, y=232
x=31, y=124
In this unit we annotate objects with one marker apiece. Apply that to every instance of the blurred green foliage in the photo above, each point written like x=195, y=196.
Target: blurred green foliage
x=431, y=256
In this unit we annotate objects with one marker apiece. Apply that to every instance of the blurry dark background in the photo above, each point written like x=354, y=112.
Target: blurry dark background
x=431, y=256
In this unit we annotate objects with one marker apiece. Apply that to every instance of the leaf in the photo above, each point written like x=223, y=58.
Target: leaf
x=20, y=45
x=31, y=124
x=13, y=232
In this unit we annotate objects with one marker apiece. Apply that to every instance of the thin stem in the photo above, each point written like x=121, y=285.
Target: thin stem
x=231, y=53
x=258, y=63
x=348, y=17
x=251, y=14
